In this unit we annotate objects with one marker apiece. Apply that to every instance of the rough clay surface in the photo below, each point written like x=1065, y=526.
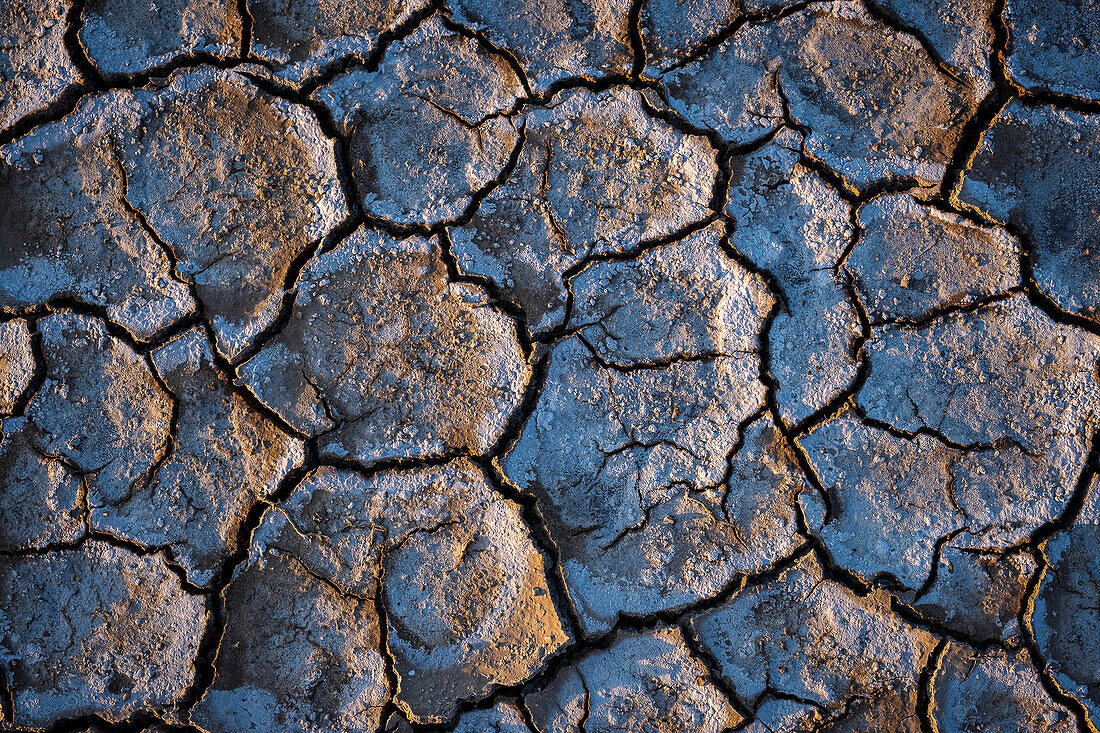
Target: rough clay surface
x=132, y=37
x=802, y=637
x=571, y=366
x=297, y=41
x=35, y=69
x=876, y=105
x=555, y=41
x=427, y=130
x=384, y=357
x=793, y=224
x=645, y=681
x=127, y=639
x=597, y=175
x=1066, y=612
x=1036, y=170
x=1055, y=46
x=993, y=691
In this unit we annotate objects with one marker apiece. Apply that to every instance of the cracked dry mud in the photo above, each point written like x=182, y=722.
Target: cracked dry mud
x=574, y=366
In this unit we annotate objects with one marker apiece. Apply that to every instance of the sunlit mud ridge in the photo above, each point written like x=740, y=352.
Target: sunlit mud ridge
x=500, y=366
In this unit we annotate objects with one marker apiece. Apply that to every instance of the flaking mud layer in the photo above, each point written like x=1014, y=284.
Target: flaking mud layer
x=599, y=366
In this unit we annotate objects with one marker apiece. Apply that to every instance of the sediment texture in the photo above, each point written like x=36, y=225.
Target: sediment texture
x=579, y=366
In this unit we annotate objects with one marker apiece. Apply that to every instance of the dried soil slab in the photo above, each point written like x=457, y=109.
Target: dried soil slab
x=95, y=630
x=557, y=40
x=42, y=498
x=124, y=37
x=802, y=637
x=298, y=652
x=92, y=434
x=504, y=717
x=913, y=260
x=973, y=692
x=1067, y=616
x=468, y=604
x=731, y=89
x=790, y=223
x=1039, y=169
x=239, y=184
x=596, y=175
x=978, y=593
x=1055, y=46
x=1003, y=375
x=990, y=414
x=426, y=129
x=675, y=301
x=17, y=365
x=68, y=230
x=674, y=30
x=887, y=112
x=645, y=681
x=959, y=32
x=224, y=458
x=628, y=448
x=300, y=39
x=35, y=68
x=101, y=412
x=463, y=585
x=388, y=359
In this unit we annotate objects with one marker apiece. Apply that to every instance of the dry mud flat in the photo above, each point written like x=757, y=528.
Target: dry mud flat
x=667, y=365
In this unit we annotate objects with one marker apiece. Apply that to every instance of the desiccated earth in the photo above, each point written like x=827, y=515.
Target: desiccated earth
x=633, y=365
